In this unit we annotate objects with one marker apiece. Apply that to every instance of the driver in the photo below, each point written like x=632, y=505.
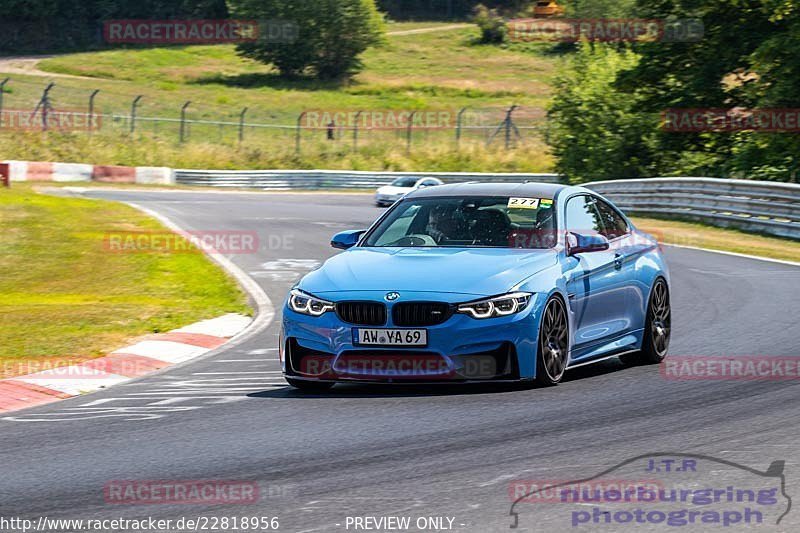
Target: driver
x=443, y=224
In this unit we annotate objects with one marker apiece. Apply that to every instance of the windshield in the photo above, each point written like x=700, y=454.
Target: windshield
x=496, y=222
x=404, y=182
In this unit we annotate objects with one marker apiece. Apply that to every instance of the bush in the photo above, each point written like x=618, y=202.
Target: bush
x=326, y=40
x=492, y=25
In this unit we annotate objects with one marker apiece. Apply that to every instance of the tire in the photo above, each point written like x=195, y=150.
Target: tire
x=309, y=386
x=553, y=344
x=657, y=330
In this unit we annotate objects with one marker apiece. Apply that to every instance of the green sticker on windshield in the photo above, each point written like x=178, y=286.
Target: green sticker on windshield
x=546, y=203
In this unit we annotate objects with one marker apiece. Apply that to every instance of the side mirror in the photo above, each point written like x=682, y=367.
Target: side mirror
x=347, y=239
x=581, y=244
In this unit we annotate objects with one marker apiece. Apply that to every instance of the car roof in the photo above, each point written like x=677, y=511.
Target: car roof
x=525, y=190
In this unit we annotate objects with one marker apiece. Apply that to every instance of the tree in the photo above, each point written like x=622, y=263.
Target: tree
x=593, y=129
x=329, y=35
x=491, y=23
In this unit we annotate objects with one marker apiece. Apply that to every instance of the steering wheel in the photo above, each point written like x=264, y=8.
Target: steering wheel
x=414, y=240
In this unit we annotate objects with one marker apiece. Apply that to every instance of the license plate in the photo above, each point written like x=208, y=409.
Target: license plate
x=390, y=337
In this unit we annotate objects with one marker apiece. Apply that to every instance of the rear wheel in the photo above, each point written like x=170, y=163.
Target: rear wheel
x=309, y=386
x=658, y=328
x=553, y=353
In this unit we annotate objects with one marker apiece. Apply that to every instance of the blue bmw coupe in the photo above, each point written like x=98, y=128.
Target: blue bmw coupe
x=480, y=282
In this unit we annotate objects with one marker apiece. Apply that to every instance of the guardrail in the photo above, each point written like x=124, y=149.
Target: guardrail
x=763, y=207
x=757, y=206
x=333, y=179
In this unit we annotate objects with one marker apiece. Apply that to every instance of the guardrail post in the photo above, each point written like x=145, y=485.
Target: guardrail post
x=2, y=90
x=241, y=125
x=408, y=131
x=183, y=122
x=134, y=105
x=297, y=133
x=91, y=111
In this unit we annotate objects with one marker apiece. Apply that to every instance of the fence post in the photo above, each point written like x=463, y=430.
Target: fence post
x=91, y=110
x=408, y=131
x=2, y=90
x=183, y=121
x=509, y=125
x=241, y=125
x=458, y=126
x=355, y=132
x=134, y=105
x=297, y=133
x=44, y=104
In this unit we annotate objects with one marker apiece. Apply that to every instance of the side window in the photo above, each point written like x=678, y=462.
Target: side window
x=582, y=216
x=613, y=224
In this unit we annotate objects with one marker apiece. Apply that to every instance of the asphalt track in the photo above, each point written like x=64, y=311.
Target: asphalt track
x=362, y=451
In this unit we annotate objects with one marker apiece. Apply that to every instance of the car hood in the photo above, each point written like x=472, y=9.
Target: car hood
x=469, y=271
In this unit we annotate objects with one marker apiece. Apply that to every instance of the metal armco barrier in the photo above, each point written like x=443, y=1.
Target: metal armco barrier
x=333, y=179
x=757, y=206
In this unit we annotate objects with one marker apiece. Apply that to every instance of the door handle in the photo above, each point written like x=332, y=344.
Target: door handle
x=618, y=258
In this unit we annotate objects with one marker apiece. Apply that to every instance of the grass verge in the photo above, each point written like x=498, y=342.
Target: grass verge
x=440, y=71
x=723, y=239
x=64, y=298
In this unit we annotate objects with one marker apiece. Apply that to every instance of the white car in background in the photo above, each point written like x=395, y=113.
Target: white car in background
x=389, y=194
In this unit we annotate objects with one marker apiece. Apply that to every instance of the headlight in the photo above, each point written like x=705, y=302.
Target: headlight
x=505, y=305
x=300, y=302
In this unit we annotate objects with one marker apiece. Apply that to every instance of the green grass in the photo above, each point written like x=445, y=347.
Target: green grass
x=727, y=240
x=142, y=150
x=429, y=70
x=65, y=298
x=440, y=71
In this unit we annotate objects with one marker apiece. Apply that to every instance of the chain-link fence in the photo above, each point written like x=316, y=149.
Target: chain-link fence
x=31, y=106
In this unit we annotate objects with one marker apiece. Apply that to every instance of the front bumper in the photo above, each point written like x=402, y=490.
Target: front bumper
x=462, y=349
x=387, y=199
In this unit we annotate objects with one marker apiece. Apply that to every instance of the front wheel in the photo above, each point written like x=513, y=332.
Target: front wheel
x=309, y=386
x=658, y=328
x=553, y=352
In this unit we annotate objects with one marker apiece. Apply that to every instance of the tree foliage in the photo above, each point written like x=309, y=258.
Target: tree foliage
x=746, y=59
x=491, y=23
x=594, y=131
x=330, y=35
x=60, y=25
